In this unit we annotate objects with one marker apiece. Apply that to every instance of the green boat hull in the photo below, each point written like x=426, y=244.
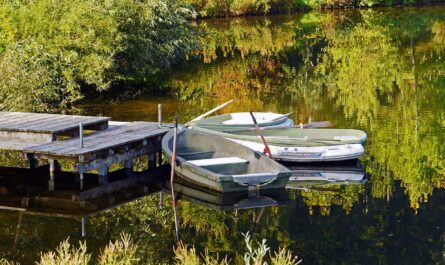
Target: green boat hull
x=194, y=146
x=294, y=137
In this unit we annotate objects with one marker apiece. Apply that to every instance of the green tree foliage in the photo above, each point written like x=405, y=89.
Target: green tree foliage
x=224, y=8
x=50, y=50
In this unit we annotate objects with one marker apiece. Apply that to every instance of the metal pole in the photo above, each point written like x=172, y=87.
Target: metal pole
x=160, y=114
x=84, y=226
x=81, y=134
x=161, y=199
x=173, y=163
x=81, y=181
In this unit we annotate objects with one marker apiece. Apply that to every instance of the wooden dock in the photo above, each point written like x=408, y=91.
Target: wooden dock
x=92, y=143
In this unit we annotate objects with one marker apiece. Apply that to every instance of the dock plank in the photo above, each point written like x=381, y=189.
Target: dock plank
x=16, y=145
x=101, y=140
x=60, y=147
x=45, y=123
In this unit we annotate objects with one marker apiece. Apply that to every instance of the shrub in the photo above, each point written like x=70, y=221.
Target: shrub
x=51, y=49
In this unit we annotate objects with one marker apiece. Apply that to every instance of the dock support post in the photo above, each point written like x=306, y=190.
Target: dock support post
x=128, y=165
x=160, y=114
x=161, y=199
x=160, y=158
x=33, y=162
x=81, y=134
x=152, y=160
x=54, y=167
x=103, y=175
x=81, y=178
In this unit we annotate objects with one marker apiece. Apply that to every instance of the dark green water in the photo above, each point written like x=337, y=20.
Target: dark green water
x=382, y=71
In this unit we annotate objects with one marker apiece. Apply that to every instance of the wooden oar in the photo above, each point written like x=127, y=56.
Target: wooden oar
x=319, y=124
x=282, y=116
x=172, y=175
x=266, y=147
x=201, y=116
x=209, y=112
x=306, y=139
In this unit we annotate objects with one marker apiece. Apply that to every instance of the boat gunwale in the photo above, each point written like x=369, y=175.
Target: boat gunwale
x=282, y=171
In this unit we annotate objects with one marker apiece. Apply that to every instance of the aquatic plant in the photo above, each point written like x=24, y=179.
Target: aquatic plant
x=122, y=252
x=66, y=254
x=254, y=255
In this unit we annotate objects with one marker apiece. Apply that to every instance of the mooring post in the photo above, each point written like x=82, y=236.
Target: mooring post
x=160, y=114
x=81, y=134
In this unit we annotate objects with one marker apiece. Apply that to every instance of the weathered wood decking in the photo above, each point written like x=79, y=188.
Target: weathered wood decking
x=54, y=137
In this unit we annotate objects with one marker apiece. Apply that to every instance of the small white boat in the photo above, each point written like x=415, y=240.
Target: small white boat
x=286, y=142
x=243, y=120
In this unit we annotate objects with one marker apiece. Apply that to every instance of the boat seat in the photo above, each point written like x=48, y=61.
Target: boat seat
x=254, y=179
x=219, y=161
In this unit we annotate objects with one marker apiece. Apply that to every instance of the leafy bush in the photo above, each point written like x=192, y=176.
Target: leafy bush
x=50, y=50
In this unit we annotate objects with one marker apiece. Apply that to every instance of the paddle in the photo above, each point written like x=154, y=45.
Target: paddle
x=266, y=147
x=209, y=112
x=172, y=175
x=319, y=124
x=282, y=116
x=200, y=116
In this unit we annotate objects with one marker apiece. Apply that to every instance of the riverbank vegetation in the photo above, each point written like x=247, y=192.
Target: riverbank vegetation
x=225, y=8
x=52, y=53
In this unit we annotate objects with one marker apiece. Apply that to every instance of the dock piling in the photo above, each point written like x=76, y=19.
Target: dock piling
x=160, y=114
x=81, y=134
x=128, y=165
x=81, y=181
x=103, y=175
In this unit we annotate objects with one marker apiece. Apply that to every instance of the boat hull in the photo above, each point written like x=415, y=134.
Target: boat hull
x=258, y=170
x=226, y=186
x=243, y=120
x=309, y=154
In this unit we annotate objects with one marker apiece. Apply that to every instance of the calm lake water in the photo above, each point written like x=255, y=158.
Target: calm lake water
x=382, y=71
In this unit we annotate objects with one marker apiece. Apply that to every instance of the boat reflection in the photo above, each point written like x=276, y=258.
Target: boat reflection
x=313, y=177
x=230, y=201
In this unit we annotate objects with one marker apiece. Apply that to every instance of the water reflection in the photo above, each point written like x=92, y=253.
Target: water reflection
x=26, y=193
x=381, y=71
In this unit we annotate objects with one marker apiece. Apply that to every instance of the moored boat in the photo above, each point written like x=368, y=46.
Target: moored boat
x=243, y=120
x=222, y=165
x=300, y=145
